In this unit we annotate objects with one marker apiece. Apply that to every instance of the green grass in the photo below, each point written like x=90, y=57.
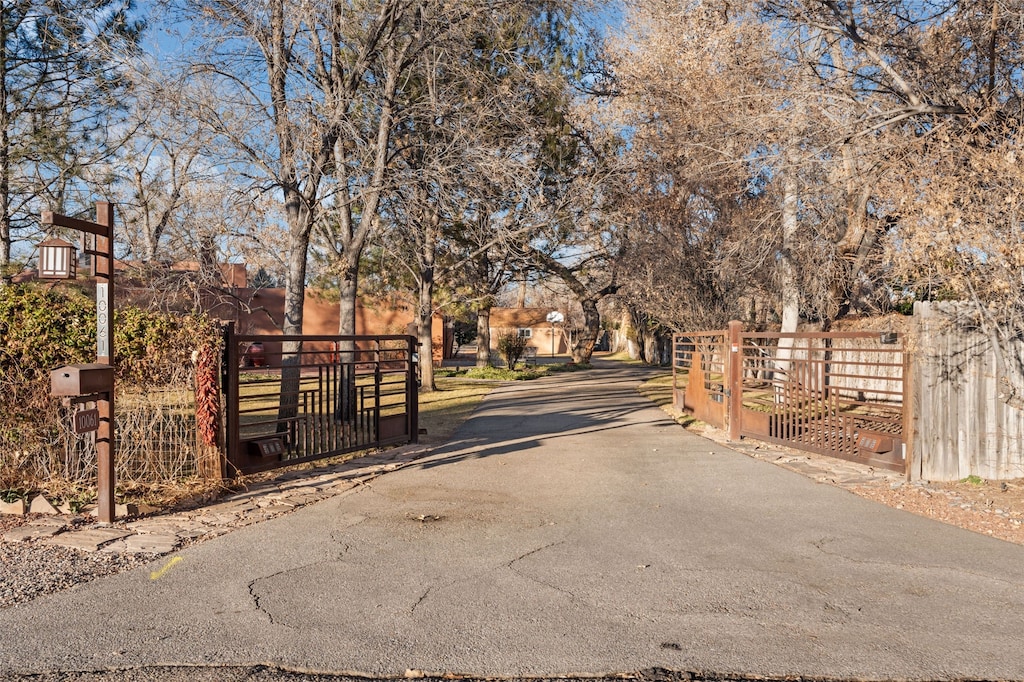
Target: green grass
x=505, y=374
x=623, y=357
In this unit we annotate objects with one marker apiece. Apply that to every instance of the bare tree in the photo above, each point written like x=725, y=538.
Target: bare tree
x=701, y=91
x=468, y=140
x=167, y=161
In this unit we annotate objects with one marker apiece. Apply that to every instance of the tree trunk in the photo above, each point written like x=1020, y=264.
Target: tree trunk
x=424, y=318
x=639, y=347
x=294, y=301
x=583, y=349
x=348, y=288
x=425, y=309
x=788, y=285
x=626, y=334
x=345, y=410
x=5, y=169
x=483, y=337
x=5, y=228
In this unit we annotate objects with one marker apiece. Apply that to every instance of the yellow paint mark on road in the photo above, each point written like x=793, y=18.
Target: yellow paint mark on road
x=156, y=575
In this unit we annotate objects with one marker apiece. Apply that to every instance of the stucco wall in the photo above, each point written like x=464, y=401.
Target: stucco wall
x=261, y=311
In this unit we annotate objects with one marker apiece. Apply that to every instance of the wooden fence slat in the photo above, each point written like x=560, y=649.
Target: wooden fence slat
x=963, y=427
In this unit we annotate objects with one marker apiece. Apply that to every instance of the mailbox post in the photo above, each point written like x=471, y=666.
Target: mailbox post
x=95, y=383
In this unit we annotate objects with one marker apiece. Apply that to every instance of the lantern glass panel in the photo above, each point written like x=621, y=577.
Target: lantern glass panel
x=57, y=260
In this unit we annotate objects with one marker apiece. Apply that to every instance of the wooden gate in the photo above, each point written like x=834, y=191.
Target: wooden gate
x=840, y=394
x=325, y=396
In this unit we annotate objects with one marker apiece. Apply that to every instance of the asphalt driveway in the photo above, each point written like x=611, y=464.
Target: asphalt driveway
x=568, y=528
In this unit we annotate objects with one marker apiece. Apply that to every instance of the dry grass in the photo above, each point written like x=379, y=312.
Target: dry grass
x=659, y=391
x=444, y=410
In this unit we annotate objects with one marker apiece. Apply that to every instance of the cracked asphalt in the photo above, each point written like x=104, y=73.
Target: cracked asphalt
x=569, y=529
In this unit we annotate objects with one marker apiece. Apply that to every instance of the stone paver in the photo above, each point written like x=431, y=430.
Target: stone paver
x=88, y=539
x=152, y=544
x=53, y=521
x=31, y=531
x=17, y=508
x=40, y=505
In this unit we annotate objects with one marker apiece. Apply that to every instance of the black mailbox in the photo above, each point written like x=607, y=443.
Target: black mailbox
x=72, y=380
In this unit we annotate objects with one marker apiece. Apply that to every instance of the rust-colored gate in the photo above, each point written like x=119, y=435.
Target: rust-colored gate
x=840, y=394
x=334, y=394
x=701, y=356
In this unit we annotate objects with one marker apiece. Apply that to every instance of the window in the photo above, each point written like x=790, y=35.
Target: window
x=525, y=333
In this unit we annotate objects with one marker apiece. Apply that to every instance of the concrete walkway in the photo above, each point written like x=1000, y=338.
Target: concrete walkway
x=569, y=527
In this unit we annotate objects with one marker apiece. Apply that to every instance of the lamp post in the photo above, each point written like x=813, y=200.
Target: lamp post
x=57, y=261
x=553, y=317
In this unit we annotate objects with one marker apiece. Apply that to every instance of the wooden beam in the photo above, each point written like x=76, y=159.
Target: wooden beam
x=51, y=218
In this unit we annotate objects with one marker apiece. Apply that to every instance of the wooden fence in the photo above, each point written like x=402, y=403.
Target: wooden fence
x=963, y=427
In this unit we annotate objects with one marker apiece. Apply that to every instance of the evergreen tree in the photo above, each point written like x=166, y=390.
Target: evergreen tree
x=62, y=78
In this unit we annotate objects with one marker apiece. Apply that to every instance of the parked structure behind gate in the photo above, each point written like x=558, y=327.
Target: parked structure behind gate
x=336, y=394
x=840, y=394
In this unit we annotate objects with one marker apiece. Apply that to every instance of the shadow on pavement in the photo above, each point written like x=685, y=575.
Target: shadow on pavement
x=522, y=416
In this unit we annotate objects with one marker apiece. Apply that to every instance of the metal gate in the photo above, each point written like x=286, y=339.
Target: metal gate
x=841, y=394
x=292, y=399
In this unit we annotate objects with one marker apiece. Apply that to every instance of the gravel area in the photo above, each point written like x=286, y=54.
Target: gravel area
x=994, y=508
x=31, y=569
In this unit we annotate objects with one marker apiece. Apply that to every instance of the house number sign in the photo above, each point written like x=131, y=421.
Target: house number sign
x=87, y=421
x=102, y=321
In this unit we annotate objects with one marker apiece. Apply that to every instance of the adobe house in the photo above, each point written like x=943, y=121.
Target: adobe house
x=261, y=311
x=531, y=323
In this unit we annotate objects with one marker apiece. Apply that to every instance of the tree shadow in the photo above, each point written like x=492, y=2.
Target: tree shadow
x=524, y=416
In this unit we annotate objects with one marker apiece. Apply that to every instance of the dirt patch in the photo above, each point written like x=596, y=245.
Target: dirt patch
x=994, y=508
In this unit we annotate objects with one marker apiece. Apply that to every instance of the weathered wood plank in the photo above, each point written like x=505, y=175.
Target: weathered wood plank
x=963, y=428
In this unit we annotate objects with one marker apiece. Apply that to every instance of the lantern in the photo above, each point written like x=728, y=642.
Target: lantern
x=57, y=260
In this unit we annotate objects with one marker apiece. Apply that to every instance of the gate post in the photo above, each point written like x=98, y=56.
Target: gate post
x=734, y=379
x=911, y=465
x=229, y=387
x=412, y=391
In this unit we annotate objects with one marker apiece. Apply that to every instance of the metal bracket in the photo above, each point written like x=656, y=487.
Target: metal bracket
x=82, y=399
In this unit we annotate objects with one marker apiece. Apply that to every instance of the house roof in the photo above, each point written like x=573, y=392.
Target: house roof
x=232, y=274
x=519, y=317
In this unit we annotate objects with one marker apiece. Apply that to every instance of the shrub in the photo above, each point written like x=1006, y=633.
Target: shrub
x=42, y=328
x=511, y=346
x=568, y=367
x=45, y=326
x=501, y=374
